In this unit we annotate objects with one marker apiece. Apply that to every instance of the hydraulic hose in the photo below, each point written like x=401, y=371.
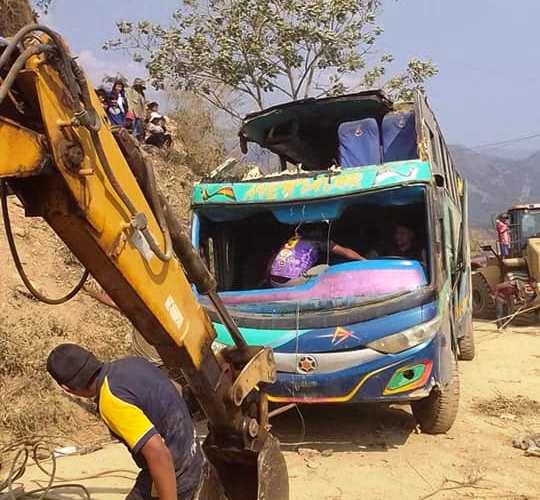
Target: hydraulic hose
x=18, y=65
x=164, y=256
x=18, y=37
x=157, y=204
x=64, y=56
x=18, y=264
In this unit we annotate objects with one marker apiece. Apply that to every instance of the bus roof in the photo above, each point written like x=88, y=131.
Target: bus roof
x=288, y=129
x=312, y=185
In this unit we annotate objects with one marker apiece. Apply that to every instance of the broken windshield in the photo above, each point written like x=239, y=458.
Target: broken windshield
x=328, y=253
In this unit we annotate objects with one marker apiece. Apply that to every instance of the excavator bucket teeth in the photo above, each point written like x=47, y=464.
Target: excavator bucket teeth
x=248, y=475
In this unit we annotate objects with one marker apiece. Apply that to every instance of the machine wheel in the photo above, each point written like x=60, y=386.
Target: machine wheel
x=466, y=344
x=482, y=301
x=436, y=413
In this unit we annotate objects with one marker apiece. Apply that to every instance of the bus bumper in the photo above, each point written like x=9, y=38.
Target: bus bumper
x=361, y=375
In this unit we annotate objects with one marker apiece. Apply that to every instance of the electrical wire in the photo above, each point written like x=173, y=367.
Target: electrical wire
x=32, y=450
x=18, y=264
x=293, y=389
x=18, y=468
x=506, y=142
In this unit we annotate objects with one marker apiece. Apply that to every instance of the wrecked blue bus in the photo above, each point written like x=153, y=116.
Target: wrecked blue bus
x=371, y=323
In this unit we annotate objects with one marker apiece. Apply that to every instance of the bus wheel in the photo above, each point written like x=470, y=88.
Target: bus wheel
x=482, y=301
x=466, y=344
x=436, y=413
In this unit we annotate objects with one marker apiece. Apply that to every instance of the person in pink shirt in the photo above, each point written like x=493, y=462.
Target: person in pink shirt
x=503, y=233
x=302, y=252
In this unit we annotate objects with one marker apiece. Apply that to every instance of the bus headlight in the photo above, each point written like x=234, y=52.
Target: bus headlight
x=406, y=339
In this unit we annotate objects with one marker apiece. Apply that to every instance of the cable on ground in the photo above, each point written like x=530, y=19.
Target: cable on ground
x=18, y=468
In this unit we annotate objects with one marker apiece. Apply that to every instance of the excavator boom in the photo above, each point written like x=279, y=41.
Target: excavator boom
x=61, y=158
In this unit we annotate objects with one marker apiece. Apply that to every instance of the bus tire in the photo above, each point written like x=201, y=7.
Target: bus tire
x=466, y=344
x=436, y=413
x=482, y=302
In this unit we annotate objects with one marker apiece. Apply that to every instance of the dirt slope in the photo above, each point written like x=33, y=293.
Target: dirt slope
x=29, y=329
x=350, y=453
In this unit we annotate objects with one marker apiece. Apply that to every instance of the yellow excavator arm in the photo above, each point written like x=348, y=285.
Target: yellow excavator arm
x=91, y=184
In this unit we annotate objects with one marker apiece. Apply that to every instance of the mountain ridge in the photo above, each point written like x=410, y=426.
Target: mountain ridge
x=495, y=184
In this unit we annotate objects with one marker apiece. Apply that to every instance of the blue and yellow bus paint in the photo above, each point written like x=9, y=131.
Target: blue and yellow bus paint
x=405, y=376
x=323, y=185
x=378, y=379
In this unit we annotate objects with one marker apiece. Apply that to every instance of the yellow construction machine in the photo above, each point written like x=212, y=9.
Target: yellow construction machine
x=507, y=286
x=92, y=185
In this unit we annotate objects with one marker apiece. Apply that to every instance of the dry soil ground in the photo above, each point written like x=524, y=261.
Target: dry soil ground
x=375, y=453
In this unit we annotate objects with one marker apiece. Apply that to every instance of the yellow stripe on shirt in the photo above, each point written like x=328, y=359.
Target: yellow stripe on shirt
x=124, y=419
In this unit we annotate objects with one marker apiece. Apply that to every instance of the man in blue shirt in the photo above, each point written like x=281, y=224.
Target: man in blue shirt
x=143, y=408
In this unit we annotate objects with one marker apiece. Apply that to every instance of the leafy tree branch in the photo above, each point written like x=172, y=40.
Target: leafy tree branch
x=263, y=49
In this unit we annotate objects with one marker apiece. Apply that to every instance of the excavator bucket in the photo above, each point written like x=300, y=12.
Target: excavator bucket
x=272, y=476
x=250, y=475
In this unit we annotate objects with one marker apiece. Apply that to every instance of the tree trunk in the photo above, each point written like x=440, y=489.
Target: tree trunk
x=14, y=14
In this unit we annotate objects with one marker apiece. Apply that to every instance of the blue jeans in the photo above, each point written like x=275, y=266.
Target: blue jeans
x=138, y=129
x=505, y=249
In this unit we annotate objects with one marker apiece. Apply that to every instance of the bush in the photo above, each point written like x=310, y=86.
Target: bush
x=202, y=131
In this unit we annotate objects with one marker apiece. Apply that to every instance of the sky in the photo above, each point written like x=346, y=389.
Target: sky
x=487, y=88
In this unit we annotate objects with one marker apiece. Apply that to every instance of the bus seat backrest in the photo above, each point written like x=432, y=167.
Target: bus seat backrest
x=359, y=144
x=399, y=137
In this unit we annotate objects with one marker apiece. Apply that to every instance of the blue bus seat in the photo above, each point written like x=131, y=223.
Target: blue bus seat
x=359, y=143
x=399, y=137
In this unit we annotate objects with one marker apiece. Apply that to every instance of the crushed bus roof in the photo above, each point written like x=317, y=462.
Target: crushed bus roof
x=304, y=131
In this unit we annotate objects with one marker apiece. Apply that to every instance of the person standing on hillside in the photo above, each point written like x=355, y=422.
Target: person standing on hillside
x=119, y=93
x=137, y=107
x=143, y=409
x=503, y=234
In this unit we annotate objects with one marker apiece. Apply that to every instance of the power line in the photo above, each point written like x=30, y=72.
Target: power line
x=506, y=142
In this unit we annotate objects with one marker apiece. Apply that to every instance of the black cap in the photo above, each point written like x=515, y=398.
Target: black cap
x=72, y=365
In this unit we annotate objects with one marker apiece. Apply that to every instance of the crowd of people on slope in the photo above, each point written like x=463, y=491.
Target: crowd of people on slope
x=126, y=106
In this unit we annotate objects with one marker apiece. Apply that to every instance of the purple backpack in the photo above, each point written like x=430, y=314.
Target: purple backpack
x=295, y=257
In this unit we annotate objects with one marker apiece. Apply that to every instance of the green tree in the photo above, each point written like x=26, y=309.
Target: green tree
x=42, y=5
x=297, y=48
